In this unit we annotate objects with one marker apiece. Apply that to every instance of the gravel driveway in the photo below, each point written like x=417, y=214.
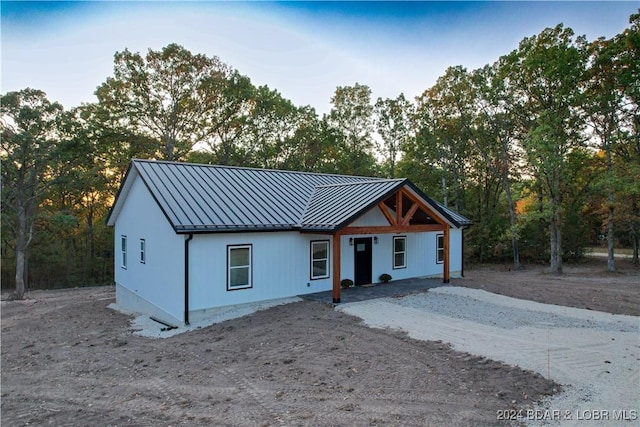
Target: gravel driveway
x=595, y=355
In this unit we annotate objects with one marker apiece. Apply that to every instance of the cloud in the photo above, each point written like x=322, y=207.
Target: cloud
x=304, y=50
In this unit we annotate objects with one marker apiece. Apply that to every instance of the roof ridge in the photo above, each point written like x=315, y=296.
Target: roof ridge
x=248, y=168
x=369, y=181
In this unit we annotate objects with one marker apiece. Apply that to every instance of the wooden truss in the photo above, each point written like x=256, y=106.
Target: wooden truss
x=405, y=213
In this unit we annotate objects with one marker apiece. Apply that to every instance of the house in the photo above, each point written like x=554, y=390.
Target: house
x=191, y=238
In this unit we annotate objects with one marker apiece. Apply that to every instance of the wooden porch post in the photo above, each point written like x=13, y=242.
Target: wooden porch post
x=445, y=264
x=336, y=268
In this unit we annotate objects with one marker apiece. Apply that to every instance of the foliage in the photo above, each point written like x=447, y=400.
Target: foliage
x=540, y=149
x=29, y=155
x=346, y=283
x=352, y=119
x=384, y=277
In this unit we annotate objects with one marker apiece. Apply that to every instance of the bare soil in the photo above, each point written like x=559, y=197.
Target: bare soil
x=68, y=359
x=586, y=285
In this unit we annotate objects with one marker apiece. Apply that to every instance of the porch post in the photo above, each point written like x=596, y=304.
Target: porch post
x=445, y=264
x=336, y=268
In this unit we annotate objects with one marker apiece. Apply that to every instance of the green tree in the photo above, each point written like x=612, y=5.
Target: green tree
x=272, y=124
x=602, y=105
x=494, y=143
x=443, y=115
x=228, y=130
x=627, y=148
x=394, y=124
x=171, y=95
x=28, y=124
x=545, y=74
x=315, y=146
x=352, y=117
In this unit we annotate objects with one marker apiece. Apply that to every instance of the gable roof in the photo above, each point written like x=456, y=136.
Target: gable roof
x=332, y=205
x=197, y=198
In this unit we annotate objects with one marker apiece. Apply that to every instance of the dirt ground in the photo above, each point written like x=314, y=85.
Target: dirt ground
x=67, y=359
x=586, y=285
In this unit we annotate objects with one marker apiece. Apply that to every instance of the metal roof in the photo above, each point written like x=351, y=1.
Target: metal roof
x=332, y=206
x=198, y=198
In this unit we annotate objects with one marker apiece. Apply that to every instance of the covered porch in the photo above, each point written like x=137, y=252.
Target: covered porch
x=379, y=290
x=403, y=212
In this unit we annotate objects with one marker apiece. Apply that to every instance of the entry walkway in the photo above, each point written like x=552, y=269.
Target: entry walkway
x=378, y=290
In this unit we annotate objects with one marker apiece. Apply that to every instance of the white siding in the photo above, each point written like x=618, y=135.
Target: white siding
x=281, y=268
x=455, y=244
x=159, y=282
x=373, y=217
x=420, y=256
x=281, y=261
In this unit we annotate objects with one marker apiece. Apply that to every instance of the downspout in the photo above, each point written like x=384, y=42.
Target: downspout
x=186, y=278
x=462, y=250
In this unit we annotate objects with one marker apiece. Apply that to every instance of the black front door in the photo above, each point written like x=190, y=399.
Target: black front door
x=362, y=257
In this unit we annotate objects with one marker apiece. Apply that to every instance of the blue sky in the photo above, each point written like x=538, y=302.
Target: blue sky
x=302, y=49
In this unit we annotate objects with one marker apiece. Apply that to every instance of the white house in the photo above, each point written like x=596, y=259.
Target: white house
x=190, y=238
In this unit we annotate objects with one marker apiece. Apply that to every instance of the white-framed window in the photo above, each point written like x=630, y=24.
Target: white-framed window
x=123, y=251
x=143, y=251
x=239, y=270
x=440, y=248
x=399, y=252
x=319, y=259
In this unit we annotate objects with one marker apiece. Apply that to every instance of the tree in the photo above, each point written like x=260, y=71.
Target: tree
x=271, y=125
x=171, y=95
x=393, y=120
x=628, y=147
x=28, y=152
x=494, y=140
x=545, y=74
x=315, y=146
x=352, y=116
x=228, y=129
x=443, y=113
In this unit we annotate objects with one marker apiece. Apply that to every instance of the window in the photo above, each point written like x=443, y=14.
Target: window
x=399, y=252
x=123, y=251
x=320, y=259
x=239, y=267
x=142, y=251
x=440, y=248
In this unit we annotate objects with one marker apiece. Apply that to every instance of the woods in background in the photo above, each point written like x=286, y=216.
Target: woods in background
x=540, y=149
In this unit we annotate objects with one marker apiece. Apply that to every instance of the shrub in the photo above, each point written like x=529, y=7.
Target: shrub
x=346, y=283
x=385, y=277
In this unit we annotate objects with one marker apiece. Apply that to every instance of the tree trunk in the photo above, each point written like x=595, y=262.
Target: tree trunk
x=635, y=237
x=556, y=241
x=21, y=252
x=512, y=219
x=444, y=191
x=611, y=262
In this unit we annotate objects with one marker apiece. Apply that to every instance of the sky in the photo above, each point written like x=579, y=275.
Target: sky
x=302, y=49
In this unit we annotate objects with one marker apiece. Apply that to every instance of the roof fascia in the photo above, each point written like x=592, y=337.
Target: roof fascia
x=417, y=193
x=433, y=205
x=132, y=173
x=370, y=205
x=121, y=195
x=155, y=198
x=236, y=230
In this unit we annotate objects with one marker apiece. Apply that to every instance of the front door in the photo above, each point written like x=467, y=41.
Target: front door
x=362, y=257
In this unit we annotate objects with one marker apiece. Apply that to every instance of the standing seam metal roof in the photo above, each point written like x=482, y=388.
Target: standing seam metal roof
x=204, y=198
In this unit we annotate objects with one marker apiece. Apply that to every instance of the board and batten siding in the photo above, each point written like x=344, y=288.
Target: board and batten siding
x=421, y=251
x=281, y=267
x=373, y=217
x=455, y=252
x=157, y=285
